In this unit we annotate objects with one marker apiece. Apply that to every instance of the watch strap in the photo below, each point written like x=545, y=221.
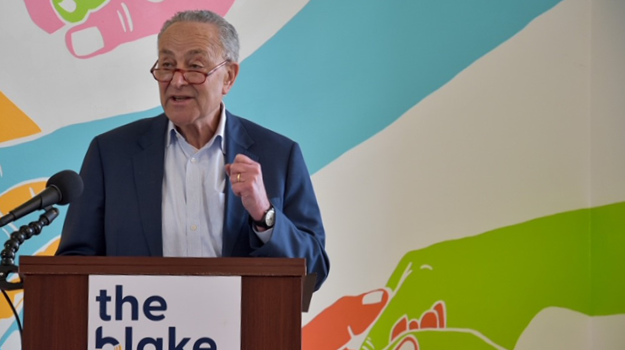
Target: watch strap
x=263, y=220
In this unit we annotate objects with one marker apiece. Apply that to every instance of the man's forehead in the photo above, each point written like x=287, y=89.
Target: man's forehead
x=189, y=38
x=193, y=29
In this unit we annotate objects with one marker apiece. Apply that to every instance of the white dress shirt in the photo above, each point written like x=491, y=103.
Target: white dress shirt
x=194, y=182
x=193, y=205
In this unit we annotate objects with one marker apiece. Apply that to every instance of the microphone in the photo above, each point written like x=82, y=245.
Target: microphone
x=62, y=188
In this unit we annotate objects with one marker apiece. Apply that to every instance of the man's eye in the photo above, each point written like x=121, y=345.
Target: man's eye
x=196, y=67
x=167, y=65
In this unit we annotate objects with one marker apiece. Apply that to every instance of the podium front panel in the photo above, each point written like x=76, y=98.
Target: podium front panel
x=56, y=292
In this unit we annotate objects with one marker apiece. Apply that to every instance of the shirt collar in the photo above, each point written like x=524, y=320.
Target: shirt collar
x=173, y=134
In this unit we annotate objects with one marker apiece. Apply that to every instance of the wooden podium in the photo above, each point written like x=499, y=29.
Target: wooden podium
x=56, y=292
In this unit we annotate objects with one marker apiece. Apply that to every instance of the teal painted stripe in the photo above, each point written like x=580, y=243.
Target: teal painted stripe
x=341, y=71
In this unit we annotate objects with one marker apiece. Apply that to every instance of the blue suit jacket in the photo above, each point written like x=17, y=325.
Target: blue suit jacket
x=119, y=213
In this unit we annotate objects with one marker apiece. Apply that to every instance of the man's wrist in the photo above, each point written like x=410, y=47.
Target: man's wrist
x=266, y=221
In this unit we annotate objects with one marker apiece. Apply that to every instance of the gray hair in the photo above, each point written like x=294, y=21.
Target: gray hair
x=227, y=33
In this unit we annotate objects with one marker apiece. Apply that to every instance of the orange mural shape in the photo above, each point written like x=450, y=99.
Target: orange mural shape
x=13, y=122
x=347, y=317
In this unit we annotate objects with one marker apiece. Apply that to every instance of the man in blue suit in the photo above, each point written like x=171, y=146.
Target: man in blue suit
x=197, y=180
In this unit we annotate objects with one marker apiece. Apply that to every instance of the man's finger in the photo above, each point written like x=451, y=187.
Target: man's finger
x=242, y=158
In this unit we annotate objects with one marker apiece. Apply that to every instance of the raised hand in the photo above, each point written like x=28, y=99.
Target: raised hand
x=247, y=183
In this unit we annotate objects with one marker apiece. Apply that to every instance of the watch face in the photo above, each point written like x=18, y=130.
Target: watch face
x=270, y=218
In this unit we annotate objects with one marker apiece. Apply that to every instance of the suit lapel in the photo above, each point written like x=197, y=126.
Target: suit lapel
x=148, y=167
x=238, y=141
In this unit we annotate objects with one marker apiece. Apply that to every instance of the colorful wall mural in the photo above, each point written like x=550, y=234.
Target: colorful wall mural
x=451, y=145
x=478, y=292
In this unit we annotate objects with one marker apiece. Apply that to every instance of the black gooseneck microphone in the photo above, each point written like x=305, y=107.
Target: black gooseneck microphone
x=62, y=188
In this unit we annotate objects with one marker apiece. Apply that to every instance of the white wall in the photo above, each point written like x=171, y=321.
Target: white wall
x=607, y=91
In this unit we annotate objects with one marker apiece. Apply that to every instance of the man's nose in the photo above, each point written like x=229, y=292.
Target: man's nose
x=178, y=79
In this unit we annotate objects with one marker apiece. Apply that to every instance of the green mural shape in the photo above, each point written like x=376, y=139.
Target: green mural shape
x=608, y=261
x=74, y=11
x=436, y=340
x=493, y=285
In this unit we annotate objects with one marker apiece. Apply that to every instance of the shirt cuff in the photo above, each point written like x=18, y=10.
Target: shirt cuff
x=264, y=236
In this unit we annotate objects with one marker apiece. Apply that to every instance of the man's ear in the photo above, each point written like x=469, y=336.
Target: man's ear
x=232, y=72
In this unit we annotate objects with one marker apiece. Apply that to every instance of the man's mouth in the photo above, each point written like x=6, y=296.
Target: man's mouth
x=180, y=98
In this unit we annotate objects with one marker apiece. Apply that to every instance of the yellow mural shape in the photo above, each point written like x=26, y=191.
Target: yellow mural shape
x=13, y=122
x=51, y=248
x=5, y=310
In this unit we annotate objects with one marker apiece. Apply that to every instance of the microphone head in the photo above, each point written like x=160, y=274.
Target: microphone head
x=69, y=185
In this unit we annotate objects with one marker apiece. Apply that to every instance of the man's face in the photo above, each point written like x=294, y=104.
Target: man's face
x=193, y=46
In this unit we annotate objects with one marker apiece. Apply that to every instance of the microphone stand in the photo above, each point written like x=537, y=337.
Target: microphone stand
x=7, y=264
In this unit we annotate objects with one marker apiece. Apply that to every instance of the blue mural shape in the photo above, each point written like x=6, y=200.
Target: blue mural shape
x=341, y=71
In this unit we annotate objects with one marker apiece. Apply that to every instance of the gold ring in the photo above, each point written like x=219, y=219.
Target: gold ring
x=239, y=177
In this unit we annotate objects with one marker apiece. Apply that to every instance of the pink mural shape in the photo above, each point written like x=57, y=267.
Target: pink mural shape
x=117, y=22
x=122, y=21
x=44, y=15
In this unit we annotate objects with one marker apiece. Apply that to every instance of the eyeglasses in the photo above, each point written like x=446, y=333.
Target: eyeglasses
x=195, y=77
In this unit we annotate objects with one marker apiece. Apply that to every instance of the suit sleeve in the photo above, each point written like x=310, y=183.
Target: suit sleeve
x=298, y=231
x=83, y=230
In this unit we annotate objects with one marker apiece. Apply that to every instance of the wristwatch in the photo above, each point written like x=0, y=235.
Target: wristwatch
x=268, y=219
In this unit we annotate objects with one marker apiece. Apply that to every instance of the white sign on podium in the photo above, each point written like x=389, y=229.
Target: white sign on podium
x=164, y=312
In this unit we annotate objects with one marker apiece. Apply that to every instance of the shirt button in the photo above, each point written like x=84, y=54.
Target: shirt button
x=193, y=227
x=193, y=160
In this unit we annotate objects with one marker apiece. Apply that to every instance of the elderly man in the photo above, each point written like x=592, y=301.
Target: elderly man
x=197, y=180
